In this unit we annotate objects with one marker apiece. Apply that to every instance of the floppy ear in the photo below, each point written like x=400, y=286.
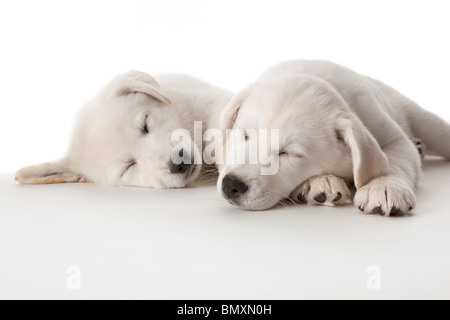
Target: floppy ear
x=45, y=173
x=136, y=81
x=369, y=161
x=231, y=111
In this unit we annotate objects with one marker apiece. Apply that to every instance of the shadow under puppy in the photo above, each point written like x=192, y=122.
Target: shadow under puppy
x=123, y=135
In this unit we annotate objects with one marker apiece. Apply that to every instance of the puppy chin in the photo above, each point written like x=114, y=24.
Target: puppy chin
x=171, y=183
x=257, y=205
x=261, y=203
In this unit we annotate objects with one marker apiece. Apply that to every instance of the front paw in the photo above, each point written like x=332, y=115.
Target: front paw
x=324, y=190
x=388, y=196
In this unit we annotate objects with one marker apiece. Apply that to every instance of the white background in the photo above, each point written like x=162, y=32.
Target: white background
x=55, y=55
x=188, y=243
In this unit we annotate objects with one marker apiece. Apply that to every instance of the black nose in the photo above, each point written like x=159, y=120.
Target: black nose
x=233, y=188
x=179, y=168
x=183, y=167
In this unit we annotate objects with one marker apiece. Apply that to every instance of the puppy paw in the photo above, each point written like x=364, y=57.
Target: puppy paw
x=323, y=190
x=387, y=196
x=421, y=148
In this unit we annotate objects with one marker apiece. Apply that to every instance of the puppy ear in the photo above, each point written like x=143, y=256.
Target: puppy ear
x=231, y=111
x=136, y=81
x=46, y=173
x=369, y=161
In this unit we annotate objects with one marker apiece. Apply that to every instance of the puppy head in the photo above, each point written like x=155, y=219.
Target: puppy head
x=123, y=138
x=317, y=134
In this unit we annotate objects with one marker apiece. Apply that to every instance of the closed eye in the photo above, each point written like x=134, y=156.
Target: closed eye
x=145, y=130
x=284, y=153
x=130, y=164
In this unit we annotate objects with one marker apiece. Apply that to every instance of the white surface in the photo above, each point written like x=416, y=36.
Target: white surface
x=188, y=244
x=57, y=54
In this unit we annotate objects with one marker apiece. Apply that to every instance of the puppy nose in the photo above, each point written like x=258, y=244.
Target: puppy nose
x=179, y=168
x=182, y=167
x=233, y=188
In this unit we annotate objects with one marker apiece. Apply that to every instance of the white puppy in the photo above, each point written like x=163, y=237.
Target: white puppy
x=333, y=123
x=123, y=136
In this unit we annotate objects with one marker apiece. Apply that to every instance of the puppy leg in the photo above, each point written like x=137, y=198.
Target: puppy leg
x=324, y=190
x=392, y=194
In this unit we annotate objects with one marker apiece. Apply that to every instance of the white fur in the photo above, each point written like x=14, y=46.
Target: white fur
x=108, y=134
x=334, y=121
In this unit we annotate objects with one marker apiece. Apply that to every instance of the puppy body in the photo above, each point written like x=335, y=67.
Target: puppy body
x=333, y=121
x=123, y=137
x=366, y=96
x=195, y=100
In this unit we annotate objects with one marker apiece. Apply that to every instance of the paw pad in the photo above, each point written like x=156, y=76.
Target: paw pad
x=301, y=197
x=323, y=190
x=321, y=197
x=378, y=210
x=395, y=211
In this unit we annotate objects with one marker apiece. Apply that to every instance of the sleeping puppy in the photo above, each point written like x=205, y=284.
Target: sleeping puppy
x=123, y=137
x=332, y=123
